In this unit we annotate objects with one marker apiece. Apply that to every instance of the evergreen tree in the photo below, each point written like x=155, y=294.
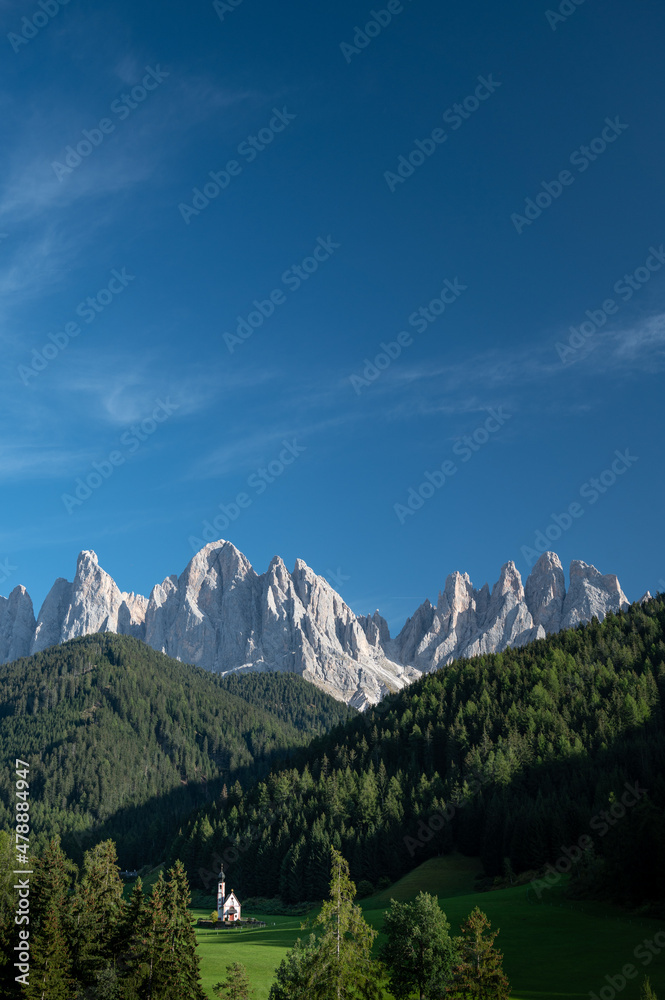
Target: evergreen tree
x=236, y=986
x=292, y=877
x=317, y=871
x=107, y=986
x=647, y=992
x=343, y=967
x=295, y=976
x=478, y=972
x=145, y=979
x=419, y=951
x=7, y=910
x=181, y=957
x=336, y=964
x=97, y=910
x=129, y=932
x=51, y=881
x=50, y=962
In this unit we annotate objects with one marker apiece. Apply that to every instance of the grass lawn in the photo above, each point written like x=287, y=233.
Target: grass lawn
x=259, y=950
x=553, y=948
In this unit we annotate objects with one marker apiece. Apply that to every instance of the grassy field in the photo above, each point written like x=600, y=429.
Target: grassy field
x=553, y=948
x=259, y=950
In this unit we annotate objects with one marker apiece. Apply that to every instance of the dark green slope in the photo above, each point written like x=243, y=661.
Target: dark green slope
x=509, y=756
x=124, y=742
x=288, y=696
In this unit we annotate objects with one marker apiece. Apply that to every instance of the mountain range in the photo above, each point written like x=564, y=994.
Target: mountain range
x=221, y=615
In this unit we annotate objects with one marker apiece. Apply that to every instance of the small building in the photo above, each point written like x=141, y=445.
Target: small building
x=228, y=907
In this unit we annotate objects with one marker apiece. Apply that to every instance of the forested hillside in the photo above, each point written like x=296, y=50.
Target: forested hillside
x=510, y=756
x=124, y=742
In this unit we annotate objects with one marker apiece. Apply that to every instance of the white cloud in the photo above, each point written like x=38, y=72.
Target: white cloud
x=25, y=460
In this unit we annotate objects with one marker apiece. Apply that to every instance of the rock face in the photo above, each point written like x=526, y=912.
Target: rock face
x=545, y=592
x=590, y=595
x=221, y=615
x=468, y=622
x=92, y=603
x=17, y=625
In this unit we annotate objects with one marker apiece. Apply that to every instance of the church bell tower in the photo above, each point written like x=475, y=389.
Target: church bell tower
x=221, y=894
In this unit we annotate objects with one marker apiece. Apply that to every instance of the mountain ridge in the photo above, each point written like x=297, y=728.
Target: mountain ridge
x=222, y=615
x=125, y=742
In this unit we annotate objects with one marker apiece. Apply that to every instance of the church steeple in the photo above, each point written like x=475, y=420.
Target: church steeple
x=221, y=893
x=228, y=907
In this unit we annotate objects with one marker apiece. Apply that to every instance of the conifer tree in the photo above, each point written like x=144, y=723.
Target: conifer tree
x=292, y=880
x=51, y=880
x=7, y=910
x=336, y=964
x=97, y=909
x=153, y=951
x=107, y=985
x=419, y=951
x=181, y=957
x=50, y=962
x=236, y=986
x=295, y=975
x=130, y=931
x=647, y=992
x=478, y=971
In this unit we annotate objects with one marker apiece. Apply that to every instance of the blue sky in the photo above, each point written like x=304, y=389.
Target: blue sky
x=355, y=206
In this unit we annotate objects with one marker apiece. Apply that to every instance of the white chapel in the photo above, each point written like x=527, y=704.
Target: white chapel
x=228, y=907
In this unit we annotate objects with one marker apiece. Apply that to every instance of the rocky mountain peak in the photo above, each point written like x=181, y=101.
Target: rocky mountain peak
x=509, y=582
x=457, y=593
x=17, y=625
x=87, y=557
x=469, y=622
x=591, y=595
x=545, y=591
x=221, y=615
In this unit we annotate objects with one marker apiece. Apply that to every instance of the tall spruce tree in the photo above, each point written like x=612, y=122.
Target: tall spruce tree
x=132, y=937
x=478, y=972
x=161, y=960
x=151, y=981
x=336, y=964
x=50, y=962
x=8, y=929
x=97, y=909
x=51, y=969
x=344, y=965
x=51, y=880
x=181, y=956
x=131, y=917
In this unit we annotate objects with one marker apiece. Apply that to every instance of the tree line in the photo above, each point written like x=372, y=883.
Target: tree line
x=511, y=756
x=124, y=742
x=337, y=961
x=85, y=942
x=419, y=958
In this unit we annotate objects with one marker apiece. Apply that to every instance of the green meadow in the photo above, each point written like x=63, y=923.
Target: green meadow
x=553, y=947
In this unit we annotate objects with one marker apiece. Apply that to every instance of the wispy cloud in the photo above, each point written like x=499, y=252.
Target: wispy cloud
x=128, y=156
x=244, y=449
x=36, y=206
x=118, y=388
x=639, y=348
x=24, y=460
